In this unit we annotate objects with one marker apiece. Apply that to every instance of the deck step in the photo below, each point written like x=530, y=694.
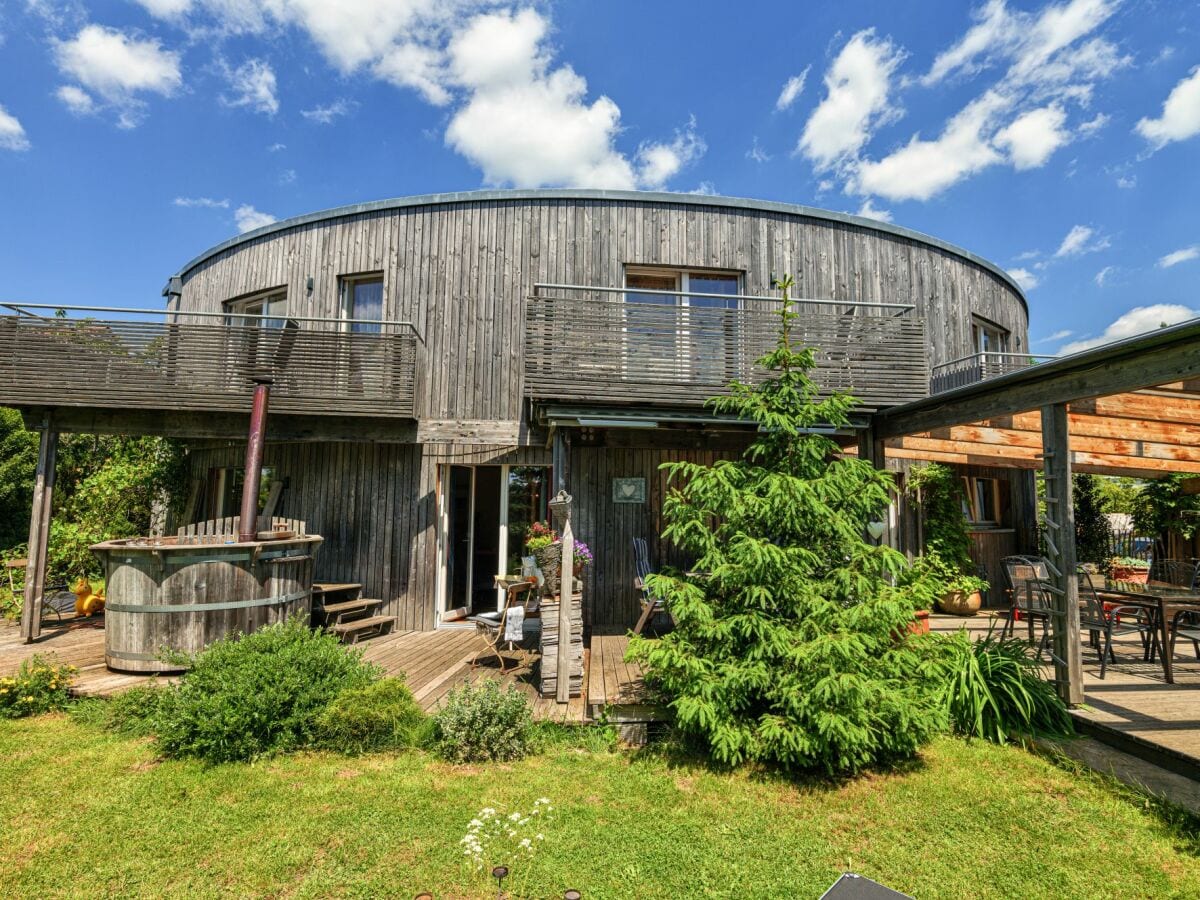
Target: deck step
x=345, y=606
x=357, y=628
x=335, y=587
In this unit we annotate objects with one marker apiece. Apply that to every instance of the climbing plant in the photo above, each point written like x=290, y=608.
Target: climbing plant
x=790, y=644
x=938, y=493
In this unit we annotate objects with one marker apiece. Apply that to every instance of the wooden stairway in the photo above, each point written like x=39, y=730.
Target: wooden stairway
x=340, y=608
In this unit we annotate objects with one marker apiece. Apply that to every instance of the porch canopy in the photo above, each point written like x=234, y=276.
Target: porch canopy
x=1127, y=408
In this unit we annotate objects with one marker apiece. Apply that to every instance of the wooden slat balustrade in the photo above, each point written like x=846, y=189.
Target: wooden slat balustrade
x=589, y=349
x=203, y=366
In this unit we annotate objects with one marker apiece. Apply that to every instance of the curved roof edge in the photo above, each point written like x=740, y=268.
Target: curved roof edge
x=794, y=209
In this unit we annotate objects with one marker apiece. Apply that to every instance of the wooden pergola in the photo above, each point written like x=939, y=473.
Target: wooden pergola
x=1127, y=408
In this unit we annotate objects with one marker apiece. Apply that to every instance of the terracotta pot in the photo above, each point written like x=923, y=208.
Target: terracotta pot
x=920, y=622
x=960, y=603
x=1130, y=575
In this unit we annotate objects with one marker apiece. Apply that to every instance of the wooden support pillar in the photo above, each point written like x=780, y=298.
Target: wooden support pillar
x=39, y=532
x=1060, y=554
x=560, y=460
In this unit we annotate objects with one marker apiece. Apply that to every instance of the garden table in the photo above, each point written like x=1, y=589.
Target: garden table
x=1163, y=601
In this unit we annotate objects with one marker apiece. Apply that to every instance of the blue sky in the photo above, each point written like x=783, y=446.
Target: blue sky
x=1060, y=140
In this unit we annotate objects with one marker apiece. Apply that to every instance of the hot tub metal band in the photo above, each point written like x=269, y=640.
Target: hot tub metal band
x=204, y=607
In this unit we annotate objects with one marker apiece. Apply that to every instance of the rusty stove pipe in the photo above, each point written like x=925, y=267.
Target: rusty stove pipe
x=248, y=529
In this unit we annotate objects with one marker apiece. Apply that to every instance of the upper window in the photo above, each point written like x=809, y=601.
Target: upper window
x=682, y=282
x=989, y=338
x=269, y=303
x=981, y=500
x=362, y=298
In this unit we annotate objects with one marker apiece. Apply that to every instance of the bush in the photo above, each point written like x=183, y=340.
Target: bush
x=38, y=687
x=482, y=722
x=257, y=694
x=379, y=716
x=994, y=689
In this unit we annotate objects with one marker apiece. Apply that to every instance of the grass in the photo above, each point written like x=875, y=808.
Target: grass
x=87, y=813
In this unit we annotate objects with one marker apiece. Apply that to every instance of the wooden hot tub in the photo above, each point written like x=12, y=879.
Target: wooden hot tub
x=183, y=593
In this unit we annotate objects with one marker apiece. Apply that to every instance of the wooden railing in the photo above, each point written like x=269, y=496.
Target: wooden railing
x=204, y=362
x=979, y=367
x=604, y=345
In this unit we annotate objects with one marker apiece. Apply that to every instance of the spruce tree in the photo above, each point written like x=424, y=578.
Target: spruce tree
x=791, y=644
x=1093, y=533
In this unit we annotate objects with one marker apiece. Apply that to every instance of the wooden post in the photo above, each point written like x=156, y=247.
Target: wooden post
x=1060, y=553
x=39, y=533
x=566, y=601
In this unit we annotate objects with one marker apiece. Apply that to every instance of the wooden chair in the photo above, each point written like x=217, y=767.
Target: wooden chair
x=641, y=571
x=491, y=626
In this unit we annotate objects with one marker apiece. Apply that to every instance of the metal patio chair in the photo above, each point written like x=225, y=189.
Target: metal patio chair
x=1102, y=621
x=1030, y=604
x=491, y=626
x=641, y=571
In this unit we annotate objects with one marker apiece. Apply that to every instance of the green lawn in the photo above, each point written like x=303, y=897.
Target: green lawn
x=84, y=813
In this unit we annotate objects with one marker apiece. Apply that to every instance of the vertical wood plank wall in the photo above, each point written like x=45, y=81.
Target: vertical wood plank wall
x=460, y=272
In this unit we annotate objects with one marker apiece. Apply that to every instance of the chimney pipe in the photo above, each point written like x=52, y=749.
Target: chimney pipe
x=252, y=481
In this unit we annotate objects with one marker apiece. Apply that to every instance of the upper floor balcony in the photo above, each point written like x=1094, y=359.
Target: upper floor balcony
x=603, y=345
x=978, y=367
x=111, y=358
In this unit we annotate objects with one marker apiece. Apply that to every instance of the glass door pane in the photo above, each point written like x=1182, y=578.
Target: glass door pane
x=528, y=496
x=712, y=328
x=652, y=325
x=365, y=302
x=458, y=537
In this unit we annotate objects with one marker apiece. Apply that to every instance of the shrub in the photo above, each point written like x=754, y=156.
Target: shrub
x=994, y=689
x=38, y=687
x=482, y=722
x=256, y=694
x=790, y=643
x=1093, y=533
x=378, y=716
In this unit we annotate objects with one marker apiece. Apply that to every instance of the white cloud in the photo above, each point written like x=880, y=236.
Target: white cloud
x=1103, y=274
x=201, y=203
x=1137, y=321
x=287, y=176
x=1179, y=256
x=857, y=88
x=324, y=115
x=1094, y=124
x=921, y=169
x=116, y=67
x=1079, y=240
x=1025, y=279
x=658, y=163
x=757, y=153
x=1032, y=137
x=1126, y=181
x=792, y=89
x=276, y=147
x=528, y=124
x=1057, y=336
x=12, y=133
x=1180, y=117
x=869, y=211
x=995, y=29
x=253, y=86
x=705, y=189
x=166, y=9
x=76, y=99
x=248, y=218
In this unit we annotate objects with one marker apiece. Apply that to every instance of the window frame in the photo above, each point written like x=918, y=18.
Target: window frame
x=971, y=485
x=346, y=286
x=239, y=307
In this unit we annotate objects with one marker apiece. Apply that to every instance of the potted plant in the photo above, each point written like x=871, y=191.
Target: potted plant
x=935, y=581
x=544, y=543
x=944, y=571
x=1129, y=569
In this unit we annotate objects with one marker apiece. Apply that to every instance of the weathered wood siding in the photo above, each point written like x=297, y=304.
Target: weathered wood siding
x=461, y=271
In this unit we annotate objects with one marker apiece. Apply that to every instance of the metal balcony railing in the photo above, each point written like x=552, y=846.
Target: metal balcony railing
x=671, y=348
x=978, y=367
x=131, y=358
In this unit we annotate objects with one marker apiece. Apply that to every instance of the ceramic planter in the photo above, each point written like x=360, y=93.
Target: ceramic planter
x=961, y=603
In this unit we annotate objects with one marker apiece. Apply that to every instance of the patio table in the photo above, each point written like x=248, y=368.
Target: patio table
x=1163, y=601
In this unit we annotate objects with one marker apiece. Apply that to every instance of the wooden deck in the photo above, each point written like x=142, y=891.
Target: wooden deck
x=432, y=662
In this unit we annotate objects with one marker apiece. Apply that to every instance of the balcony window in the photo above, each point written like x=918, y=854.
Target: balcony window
x=362, y=298
x=270, y=303
x=688, y=332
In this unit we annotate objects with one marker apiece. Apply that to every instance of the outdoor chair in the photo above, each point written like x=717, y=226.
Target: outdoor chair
x=1102, y=621
x=642, y=570
x=1186, y=625
x=1030, y=604
x=504, y=629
